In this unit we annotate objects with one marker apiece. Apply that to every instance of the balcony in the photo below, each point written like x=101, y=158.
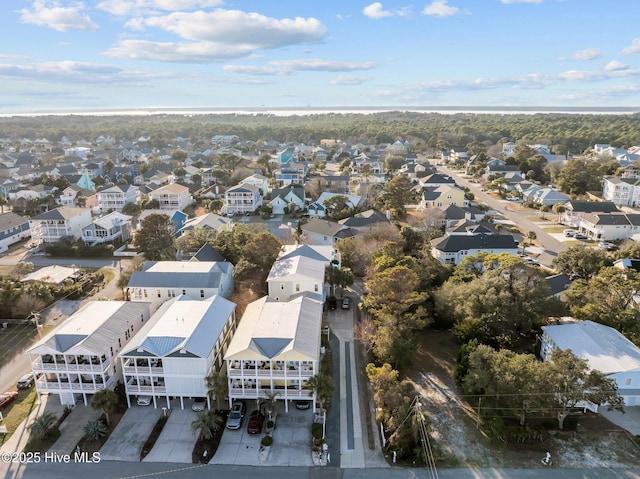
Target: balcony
x=42, y=364
x=289, y=393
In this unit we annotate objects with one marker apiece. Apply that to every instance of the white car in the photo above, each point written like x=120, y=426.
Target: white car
x=606, y=245
x=198, y=404
x=143, y=400
x=513, y=198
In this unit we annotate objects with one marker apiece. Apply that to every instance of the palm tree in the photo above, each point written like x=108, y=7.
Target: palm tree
x=43, y=425
x=94, y=430
x=270, y=402
x=322, y=386
x=217, y=386
x=205, y=424
x=531, y=236
x=559, y=208
x=107, y=400
x=544, y=209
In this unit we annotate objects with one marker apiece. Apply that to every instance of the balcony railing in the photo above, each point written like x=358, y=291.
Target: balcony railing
x=79, y=387
x=263, y=392
x=143, y=371
x=39, y=365
x=270, y=373
x=136, y=389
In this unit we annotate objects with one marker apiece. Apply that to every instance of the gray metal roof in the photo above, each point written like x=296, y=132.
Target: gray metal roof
x=180, y=274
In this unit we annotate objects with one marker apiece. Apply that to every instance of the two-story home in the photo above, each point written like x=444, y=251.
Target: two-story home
x=605, y=349
x=318, y=231
x=289, y=197
x=13, y=229
x=576, y=210
x=291, y=173
x=442, y=197
x=609, y=227
x=293, y=275
x=79, y=358
x=113, y=228
x=53, y=225
x=276, y=349
x=162, y=280
x=452, y=248
x=169, y=359
x=115, y=197
x=210, y=221
x=621, y=191
x=172, y=197
x=243, y=198
x=259, y=181
x=74, y=195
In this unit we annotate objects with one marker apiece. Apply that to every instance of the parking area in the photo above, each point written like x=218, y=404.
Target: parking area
x=126, y=441
x=291, y=442
x=176, y=440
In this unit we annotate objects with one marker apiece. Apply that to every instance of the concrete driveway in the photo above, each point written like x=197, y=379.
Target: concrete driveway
x=629, y=420
x=126, y=441
x=176, y=440
x=291, y=441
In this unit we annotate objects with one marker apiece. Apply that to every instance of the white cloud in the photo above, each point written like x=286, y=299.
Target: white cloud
x=633, y=48
x=520, y=1
x=615, y=65
x=147, y=7
x=349, y=80
x=586, y=54
x=375, y=11
x=48, y=13
x=440, y=8
x=235, y=27
x=197, y=52
x=286, y=67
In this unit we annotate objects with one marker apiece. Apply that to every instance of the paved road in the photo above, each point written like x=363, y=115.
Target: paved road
x=120, y=470
x=515, y=213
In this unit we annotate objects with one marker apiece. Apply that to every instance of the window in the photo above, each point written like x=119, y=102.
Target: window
x=202, y=293
x=281, y=286
x=315, y=288
x=119, y=343
x=627, y=382
x=158, y=292
x=111, y=351
x=297, y=287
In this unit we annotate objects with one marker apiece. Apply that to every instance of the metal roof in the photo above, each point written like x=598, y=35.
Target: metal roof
x=180, y=274
x=297, y=266
x=271, y=329
x=183, y=326
x=606, y=349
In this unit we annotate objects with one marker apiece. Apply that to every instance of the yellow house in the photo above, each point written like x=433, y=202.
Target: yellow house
x=442, y=197
x=275, y=349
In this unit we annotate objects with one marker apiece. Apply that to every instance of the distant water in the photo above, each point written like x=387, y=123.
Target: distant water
x=309, y=110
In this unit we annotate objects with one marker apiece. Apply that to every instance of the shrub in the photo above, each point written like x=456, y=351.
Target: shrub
x=270, y=424
x=266, y=441
x=316, y=430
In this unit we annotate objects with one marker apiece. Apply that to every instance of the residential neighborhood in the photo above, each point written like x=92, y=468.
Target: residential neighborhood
x=255, y=293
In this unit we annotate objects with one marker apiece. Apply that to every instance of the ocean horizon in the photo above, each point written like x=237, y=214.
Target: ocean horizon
x=319, y=110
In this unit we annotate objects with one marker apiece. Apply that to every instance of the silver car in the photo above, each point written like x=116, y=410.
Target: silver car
x=234, y=420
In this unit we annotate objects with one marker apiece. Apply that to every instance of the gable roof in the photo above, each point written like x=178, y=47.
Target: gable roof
x=62, y=213
x=297, y=266
x=557, y=283
x=180, y=274
x=10, y=220
x=319, y=253
x=591, y=206
x=207, y=253
x=271, y=329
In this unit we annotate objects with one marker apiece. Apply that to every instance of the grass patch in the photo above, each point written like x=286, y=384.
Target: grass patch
x=6, y=270
x=554, y=229
x=18, y=410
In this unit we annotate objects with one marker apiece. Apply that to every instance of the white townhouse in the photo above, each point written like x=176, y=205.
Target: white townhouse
x=294, y=274
x=53, y=225
x=610, y=227
x=111, y=228
x=259, y=181
x=621, y=191
x=276, y=349
x=79, y=357
x=171, y=356
x=172, y=197
x=605, y=349
x=114, y=198
x=163, y=280
x=242, y=198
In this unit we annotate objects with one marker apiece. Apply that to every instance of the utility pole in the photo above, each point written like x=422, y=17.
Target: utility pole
x=35, y=317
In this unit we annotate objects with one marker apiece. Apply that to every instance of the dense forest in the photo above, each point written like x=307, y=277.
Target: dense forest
x=565, y=133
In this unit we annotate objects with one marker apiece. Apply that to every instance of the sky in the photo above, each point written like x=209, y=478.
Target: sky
x=91, y=55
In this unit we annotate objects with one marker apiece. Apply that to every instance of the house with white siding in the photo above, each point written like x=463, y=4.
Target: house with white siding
x=79, y=357
x=162, y=280
x=169, y=359
x=605, y=349
x=293, y=275
x=113, y=228
x=13, y=229
x=172, y=197
x=276, y=349
x=53, y=225
x=114, y=198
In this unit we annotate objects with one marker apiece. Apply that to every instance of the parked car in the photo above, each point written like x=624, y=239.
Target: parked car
x=607, y=246
x=143, y=400
x=303, y=405
x=198, y=404
x=234, y=420
x=569, y=233
x=513, y=198
x=580, y=236
x=346, y=303
x=7, y=398
x=333, y=303
x=254, y=426
x=26, y=381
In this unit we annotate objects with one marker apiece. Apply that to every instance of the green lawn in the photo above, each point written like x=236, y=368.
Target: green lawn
x=18, y=410
x=554, y=229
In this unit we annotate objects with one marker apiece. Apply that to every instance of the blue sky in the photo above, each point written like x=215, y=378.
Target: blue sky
x=66, y=55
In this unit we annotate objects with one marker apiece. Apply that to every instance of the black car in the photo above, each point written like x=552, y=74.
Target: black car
x=333, y=303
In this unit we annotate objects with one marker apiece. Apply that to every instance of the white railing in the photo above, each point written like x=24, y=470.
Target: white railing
x=263, y=392
x=133, y=389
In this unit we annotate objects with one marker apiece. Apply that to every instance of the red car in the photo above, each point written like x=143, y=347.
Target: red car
x=255, y=423
x=7, y=398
